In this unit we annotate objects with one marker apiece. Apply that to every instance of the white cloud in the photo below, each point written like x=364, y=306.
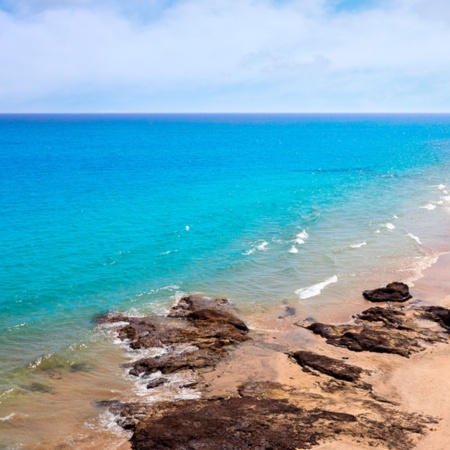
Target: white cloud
x=219, y=55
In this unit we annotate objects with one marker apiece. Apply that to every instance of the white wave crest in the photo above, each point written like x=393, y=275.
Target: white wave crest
x=389, y=226
x=293, y=249
x=315, y=289
x=441, y=187
x=362, y=244
x=261, y=247
x=303, y=235
x=429, y=206
x=414, y=238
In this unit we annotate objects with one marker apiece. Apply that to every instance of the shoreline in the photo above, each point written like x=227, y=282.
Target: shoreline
x=396, y=379
x=263, y=358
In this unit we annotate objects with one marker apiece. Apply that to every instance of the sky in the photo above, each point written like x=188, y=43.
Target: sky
x=224, y=56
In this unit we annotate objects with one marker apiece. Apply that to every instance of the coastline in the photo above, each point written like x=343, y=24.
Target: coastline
x=416, y=385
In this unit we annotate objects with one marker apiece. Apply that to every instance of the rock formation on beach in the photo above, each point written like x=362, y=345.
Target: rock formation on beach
x=334, y=400
x=383, y=330
x=393, y=292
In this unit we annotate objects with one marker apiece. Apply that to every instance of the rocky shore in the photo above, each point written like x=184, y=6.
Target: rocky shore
x=321, y=396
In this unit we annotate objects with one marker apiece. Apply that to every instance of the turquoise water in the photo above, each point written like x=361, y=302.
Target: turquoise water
x=115, y=212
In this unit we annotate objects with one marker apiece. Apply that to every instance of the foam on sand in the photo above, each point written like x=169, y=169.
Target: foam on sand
x=315, y=289
x=429, y=206
x=414, y=238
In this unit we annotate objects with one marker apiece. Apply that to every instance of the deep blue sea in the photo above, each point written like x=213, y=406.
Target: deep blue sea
x=125, y=212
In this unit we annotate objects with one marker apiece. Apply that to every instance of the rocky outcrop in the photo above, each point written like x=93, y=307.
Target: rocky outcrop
x=390, y=317
x=393, y=292
x=392, y=329
x=335, y=368
x=236, y=423
x=437, y=314
x=333, y=402
x=381, y=331
x=269, y=415
x=196, y=335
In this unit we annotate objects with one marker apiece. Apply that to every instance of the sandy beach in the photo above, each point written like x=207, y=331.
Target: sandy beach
x=410, y=393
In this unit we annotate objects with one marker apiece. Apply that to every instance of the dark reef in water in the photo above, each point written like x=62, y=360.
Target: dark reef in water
x=337, y=403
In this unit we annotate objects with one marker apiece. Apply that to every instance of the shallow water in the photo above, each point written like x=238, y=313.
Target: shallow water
x=127, y=212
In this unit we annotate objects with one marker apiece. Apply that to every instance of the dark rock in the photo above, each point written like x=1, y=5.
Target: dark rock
x=195, y=302
x=236, y=423
x=156, y=382
x=437, y=314
x=393, y=292
x=39, y=387
x=386, y=330
x=359, y=338
x=132, y=414
x=212, y=317
x=390, y=317
x=108, y=317
x=265, y=423
x=114, y=406
x=80, y=367
x=206, y=328
x=328, y=366
x=175, y=362
x=289, y=311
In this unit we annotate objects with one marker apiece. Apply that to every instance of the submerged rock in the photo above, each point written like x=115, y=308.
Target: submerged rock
x=393, y=292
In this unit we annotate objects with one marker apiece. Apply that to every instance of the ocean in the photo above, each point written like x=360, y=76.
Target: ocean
x=128, y=212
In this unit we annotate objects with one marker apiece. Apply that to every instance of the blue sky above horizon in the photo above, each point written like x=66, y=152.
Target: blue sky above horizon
x=224, y=56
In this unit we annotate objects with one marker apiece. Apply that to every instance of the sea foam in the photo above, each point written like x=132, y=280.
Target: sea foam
x=362, y=244
x=301, y=237
x=260, y=247
x=315, y=289
x=414, y=238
